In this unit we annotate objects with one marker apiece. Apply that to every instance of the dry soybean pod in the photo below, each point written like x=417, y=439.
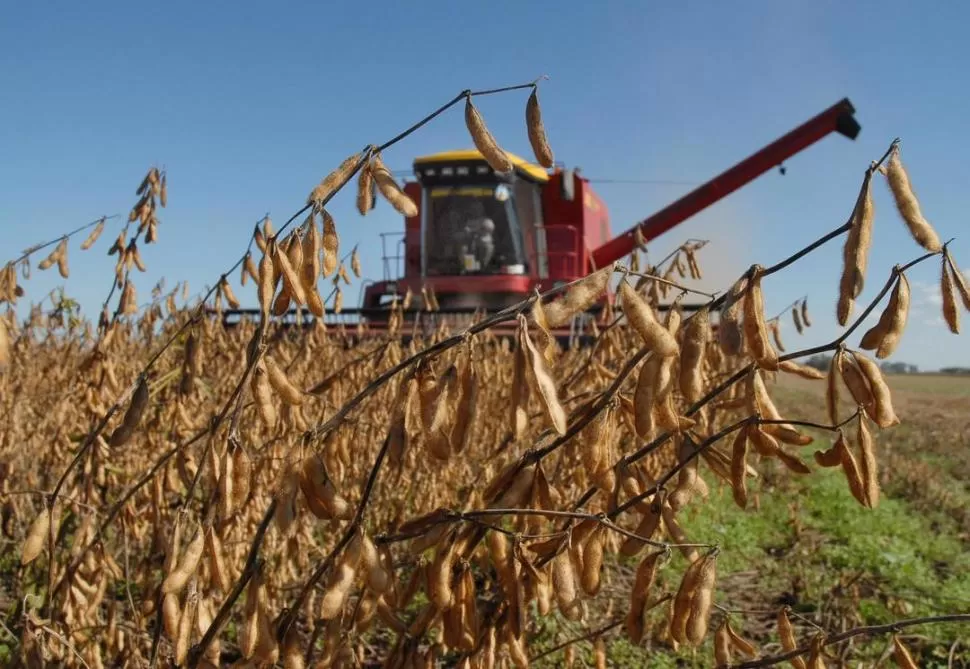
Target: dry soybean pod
x=390, y=189
x=883, y=413
x=483, y=139
x=536, y=130
x=687, y=478
x=578, y=298
x=649, y=524
x=249, y=268
x=868, y=465
x=902, y=655
x=776, y=335
x=183, y=636
x=263, y=395
x=186, y=567
x=856, y=251
x=599, y=653
x=797, y=320
x=850, y=467
x=466, y=408
x=729, y=330
x=950, y=312
x=341, y=580
x=544, y=382
x=4, y=344
x=874, y=335
x=677, y=533
x=832, y=390
x=683, y=599
x=739, y=467
x=241, y=474
x=644, y=397
x=217, y=564
x=291, y=280
x=700, y=607
x=854, y=380
x=227, y=291
x=355, y=263
x=564, y=586
x=697, y=333
x=787, y=634
x=746, y=647
x=282, y=384
x=897, y=322
x=764, y=406
x=722, y=645
x=378, y=579
x=36, y=537
x=366, y=189
x=310, y=268
x=592, y=562
x=643, y=581
x=440, y=590
x=962, y=286
x=334, y=180
x=766, y=445
x=641, y=317
x=330, y=244
x=267, y=281
x=908, y=205
x=831, y=457
x=49, y=261
x=755, y=330
x=93, y=236
x=803, y=371
x=815, y=659
x=62, y=266
x=139, y=401
x=171, y=612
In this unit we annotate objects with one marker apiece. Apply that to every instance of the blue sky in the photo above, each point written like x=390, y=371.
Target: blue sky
x=248, y=105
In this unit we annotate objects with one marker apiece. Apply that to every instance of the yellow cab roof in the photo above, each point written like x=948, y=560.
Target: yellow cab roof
x=533, y=171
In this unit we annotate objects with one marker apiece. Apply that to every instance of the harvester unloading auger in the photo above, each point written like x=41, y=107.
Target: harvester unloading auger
x=482, y=240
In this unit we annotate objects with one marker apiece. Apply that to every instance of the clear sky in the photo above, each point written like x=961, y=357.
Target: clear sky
x=247, y=105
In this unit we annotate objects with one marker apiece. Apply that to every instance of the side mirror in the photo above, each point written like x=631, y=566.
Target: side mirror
x=568, y=185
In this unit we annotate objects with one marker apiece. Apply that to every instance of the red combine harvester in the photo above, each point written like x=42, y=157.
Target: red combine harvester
x=482, y=241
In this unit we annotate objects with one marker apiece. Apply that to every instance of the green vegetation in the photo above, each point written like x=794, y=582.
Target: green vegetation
x=805, y=542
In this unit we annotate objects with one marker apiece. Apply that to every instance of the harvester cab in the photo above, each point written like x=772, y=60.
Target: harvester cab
x=476, y=221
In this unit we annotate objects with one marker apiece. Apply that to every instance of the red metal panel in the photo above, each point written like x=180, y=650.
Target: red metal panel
x=564, y=260
x=747, y=170
x=596, y=219
x=412, y=233
x=518, y=284
x=474, y=283
x=564, y=223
